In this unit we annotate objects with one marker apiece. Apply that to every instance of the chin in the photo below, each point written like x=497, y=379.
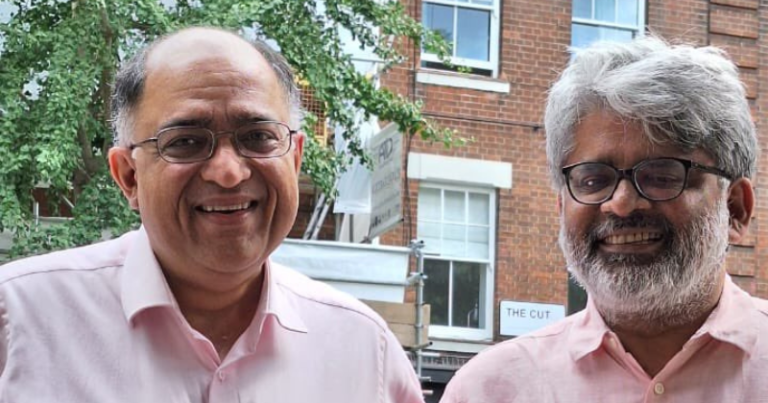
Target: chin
x=660, y=296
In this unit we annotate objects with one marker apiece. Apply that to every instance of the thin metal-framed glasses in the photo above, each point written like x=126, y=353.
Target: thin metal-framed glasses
x=658, y=179
x=188, y=144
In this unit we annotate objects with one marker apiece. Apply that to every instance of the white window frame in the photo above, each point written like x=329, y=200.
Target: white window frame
x=491, y=65
x=639, y=29
x=487, y=289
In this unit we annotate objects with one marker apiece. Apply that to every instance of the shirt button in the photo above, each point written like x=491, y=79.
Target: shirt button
x=658, y=388
x=222, y=377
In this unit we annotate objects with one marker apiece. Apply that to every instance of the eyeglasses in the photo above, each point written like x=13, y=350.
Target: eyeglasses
x=658, y=179
x=188, y=144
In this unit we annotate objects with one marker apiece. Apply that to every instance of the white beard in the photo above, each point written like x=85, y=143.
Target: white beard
x=654, y=293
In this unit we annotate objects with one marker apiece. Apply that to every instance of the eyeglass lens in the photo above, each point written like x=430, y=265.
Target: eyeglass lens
x=256, y=140
x=659, y=180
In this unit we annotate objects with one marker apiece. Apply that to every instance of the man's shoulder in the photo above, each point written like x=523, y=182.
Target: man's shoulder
x=745, y=299
x=314, y=292
x=529, y=348
x=85, y=258
x=518, y=368
x=761, y=305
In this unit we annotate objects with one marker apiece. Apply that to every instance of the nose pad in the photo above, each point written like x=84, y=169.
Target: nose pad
x=226, y=167
x=625, y=200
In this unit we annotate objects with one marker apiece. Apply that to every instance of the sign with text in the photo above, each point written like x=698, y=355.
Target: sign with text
x=518, y=318
x=386, y=189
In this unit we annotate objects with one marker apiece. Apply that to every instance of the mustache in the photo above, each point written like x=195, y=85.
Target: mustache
x=637, y=220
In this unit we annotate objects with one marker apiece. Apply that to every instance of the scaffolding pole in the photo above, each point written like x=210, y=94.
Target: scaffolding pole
x=416, y=279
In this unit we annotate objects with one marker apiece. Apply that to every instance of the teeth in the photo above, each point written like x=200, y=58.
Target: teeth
x=211, y=209
x=631, y=238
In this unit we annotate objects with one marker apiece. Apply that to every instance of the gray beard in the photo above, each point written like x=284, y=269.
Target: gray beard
x=656, y=292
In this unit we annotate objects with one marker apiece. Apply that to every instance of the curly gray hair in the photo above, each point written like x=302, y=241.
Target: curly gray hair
x=688, y=96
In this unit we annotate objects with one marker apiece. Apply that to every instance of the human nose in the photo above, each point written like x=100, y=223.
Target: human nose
x=625, y=200
x=226, y=167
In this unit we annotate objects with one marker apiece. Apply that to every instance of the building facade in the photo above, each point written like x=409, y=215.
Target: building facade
x=487, y=211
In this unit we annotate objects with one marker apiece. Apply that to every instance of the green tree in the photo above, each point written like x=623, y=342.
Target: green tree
x=59, y=58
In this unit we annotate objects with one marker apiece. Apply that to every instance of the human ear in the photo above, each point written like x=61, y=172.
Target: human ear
x=122, y=166
x=741, y=204
x=298, y=149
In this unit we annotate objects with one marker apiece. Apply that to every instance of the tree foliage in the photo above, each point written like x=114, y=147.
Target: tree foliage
x=59, y=58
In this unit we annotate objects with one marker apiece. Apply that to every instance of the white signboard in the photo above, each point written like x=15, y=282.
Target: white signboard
x=386, y=192
x=517, y=318
x=381, y=278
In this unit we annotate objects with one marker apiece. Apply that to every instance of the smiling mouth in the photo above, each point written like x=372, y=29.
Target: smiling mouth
x=227, y=209
x=638, y=238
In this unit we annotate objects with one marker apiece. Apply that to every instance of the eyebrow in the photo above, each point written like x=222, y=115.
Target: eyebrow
x=186, y=122
x=238, y=120
x=243, y=119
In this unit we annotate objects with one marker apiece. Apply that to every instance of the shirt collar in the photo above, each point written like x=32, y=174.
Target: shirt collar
x=731, y=322
x=143, y=284
x=280, y=301
x=587, y=333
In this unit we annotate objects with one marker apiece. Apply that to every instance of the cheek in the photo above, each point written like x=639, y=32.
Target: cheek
x=281, y=178
x=161, y=187
x=287, y=198
x=576, y=216
x=693, y=201
x=682, y=210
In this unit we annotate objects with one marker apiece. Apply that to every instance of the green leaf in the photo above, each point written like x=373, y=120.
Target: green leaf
x=57, y=134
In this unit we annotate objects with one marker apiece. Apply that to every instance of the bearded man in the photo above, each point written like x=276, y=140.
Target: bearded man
x=651, y=148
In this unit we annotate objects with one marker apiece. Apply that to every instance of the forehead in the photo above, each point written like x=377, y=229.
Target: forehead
x=604, y=137
x=200, y=45
x=219, y=79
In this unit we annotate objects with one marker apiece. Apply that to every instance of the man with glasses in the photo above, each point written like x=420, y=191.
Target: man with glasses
x=651, y=148
x=189, y=308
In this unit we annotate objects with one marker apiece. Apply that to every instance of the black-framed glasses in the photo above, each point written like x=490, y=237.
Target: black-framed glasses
x=659, y=179
x=188, y=144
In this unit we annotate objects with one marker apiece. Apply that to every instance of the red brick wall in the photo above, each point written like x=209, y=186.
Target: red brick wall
x=745, y=51
x=507, y=127
x=682, y=20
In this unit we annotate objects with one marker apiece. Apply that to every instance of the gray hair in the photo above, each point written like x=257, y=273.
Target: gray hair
x=129, y=87
x=690, y=97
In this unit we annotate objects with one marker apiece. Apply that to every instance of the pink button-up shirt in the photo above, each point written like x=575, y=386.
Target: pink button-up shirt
x=580, y=360
x=99, y=324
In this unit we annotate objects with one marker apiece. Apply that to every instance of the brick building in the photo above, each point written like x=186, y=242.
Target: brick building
x=487, y=211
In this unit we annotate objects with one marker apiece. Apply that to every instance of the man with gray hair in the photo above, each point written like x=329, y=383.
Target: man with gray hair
x=651, y=148
x=189, y=308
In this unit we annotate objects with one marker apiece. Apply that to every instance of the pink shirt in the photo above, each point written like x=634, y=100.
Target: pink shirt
x=580, y=360
x=99, y=324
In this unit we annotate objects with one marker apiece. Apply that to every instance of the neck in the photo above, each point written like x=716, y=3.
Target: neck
x=654, y=350
x=201, y=298
x=221, y=314
x=653, y=343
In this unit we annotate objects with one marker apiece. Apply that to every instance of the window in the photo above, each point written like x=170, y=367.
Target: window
x=457, y=227
x=610, y=20
x=471, y=27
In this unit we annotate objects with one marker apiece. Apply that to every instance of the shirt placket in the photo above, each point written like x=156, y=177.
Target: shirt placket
x=655, y=389
x=223, y=387
x=661, y=387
